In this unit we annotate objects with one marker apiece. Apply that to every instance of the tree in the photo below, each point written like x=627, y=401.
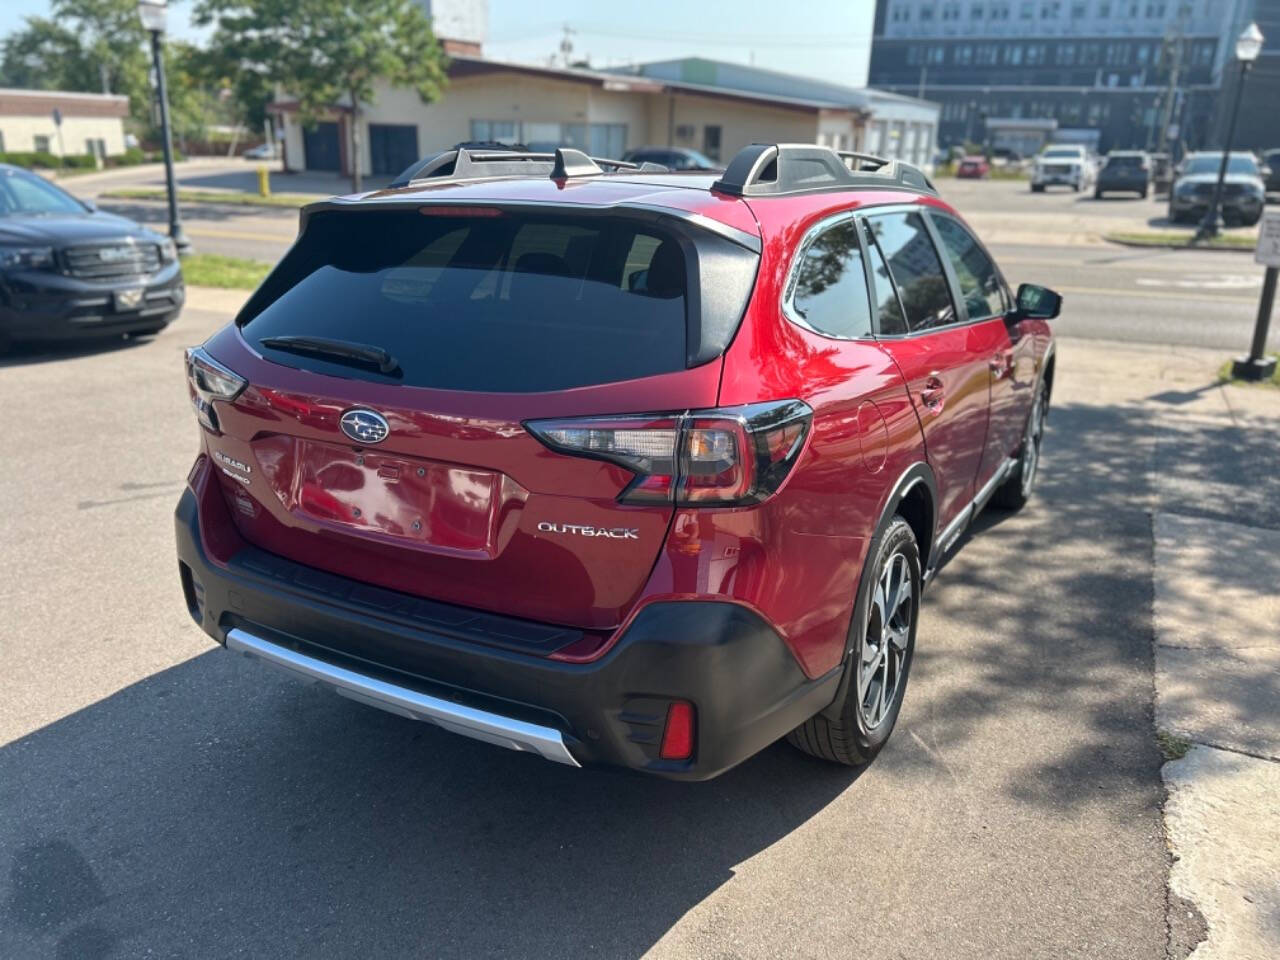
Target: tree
x=330, y=54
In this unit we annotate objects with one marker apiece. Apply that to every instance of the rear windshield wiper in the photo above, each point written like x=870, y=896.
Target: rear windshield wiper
x=340, y=350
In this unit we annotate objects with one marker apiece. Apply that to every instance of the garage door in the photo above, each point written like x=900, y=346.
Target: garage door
x=392, y=146
x=320, y=148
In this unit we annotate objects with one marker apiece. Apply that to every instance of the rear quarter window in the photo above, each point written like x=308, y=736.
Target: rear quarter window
x=830, y=289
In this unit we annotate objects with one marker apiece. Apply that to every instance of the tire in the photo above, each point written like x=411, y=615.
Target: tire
x=1251, y=221
x=1097, y=194
x=1145, y=191
x=1037, y=188
x=1014, y=493
x=861, y=729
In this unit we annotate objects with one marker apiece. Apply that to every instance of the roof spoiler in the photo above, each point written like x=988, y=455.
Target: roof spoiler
x=566, y=163
x=778, y=169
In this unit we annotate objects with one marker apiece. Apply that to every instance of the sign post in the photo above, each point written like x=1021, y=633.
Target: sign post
x=57, y=122
x=1257, y=365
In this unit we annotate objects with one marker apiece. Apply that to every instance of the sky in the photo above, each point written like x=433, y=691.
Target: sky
x=830, y=39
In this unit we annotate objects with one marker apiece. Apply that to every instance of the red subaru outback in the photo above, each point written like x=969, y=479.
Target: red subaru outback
x=610, y=464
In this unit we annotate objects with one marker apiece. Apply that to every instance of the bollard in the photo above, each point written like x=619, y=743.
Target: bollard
x=264, y=182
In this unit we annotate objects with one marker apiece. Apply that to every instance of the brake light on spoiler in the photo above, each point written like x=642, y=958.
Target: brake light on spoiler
x=728, y=456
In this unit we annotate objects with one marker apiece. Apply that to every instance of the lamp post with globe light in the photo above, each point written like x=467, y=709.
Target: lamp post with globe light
x=154, y=15
x=1248, y=46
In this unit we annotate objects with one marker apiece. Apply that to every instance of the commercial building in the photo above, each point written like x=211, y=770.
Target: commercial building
x=91, y=122
x=1107, y=73
x=711, y=106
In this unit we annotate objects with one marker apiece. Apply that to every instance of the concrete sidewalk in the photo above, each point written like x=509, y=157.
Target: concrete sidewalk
x=1215, y=508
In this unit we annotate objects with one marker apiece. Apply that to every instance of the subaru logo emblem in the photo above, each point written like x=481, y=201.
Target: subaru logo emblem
x=364, y=426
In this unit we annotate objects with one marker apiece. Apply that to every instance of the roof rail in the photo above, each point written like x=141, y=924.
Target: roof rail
x=774, y=169
x=462, y=164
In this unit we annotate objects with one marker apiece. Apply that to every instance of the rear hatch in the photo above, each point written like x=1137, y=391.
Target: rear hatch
x=393, y=359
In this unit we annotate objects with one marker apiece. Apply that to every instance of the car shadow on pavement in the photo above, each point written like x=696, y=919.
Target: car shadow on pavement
x=26, y=354
x=214, y=809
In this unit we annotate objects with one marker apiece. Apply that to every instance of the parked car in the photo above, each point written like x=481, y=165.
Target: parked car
x=673, y=158
x=1243, y=192
x=70, y=271
x=263, y=151
x=973, y=168
x=1271, y=172
x=638, y=472
x=1127, y=171
x=1064, y=165
x=1161, y=173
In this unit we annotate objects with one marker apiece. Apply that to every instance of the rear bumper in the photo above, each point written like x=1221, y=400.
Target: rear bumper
x=38, y=305
x=746, y=686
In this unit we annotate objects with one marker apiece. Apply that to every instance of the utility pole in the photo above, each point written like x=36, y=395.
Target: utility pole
x=566, y=45
x=924, y=77
x=1173, y=46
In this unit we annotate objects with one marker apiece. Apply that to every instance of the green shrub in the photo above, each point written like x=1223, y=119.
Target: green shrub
x=131, y=157
x=30, y=159
x=80, y=161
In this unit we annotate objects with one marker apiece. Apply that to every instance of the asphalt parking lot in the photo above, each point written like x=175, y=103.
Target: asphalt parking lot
x=160, y=797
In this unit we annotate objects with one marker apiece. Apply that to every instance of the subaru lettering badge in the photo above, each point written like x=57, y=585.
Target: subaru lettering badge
x=364, y=426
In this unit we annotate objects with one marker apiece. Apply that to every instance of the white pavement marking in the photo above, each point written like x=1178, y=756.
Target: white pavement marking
x=1223, y=822
x=1205, y=281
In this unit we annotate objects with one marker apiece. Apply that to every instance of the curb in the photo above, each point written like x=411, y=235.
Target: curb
x=1174, y=246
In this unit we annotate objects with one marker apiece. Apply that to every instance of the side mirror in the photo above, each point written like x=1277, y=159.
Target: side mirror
x=1038, y=303
x=90, y=206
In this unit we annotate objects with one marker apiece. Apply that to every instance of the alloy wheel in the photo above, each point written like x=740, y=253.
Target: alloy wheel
x=884, y=643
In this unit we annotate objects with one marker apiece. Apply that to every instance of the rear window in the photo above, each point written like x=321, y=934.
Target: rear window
x=504, y=302
x=1126, y=163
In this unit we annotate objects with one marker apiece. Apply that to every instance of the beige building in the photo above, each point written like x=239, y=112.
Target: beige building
x=604, y=114
x=91, y=122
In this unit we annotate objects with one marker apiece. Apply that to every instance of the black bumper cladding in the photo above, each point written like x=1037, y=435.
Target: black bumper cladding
x=743, y=680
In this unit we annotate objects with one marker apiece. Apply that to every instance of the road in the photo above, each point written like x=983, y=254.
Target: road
x=1206, y=299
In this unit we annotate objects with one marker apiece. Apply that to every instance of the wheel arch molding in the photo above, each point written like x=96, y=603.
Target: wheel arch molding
x=917, y=487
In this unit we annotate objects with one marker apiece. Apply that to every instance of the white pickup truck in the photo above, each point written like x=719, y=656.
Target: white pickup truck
x=1063, y=165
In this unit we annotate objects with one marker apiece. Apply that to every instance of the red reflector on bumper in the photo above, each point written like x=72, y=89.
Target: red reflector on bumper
x=677, y=737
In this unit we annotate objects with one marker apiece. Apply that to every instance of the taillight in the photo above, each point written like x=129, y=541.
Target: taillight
x=207, y=381
x=723, y=457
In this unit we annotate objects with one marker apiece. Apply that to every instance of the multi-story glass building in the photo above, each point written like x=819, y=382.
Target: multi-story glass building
x=1108, y=73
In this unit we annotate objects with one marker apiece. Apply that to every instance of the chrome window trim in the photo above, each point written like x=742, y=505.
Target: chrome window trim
x=863, y=213
x=797, y=262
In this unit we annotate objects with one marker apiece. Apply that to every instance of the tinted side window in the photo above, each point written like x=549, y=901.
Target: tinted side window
x=889, y=319
x=979, y=282
x=915, y=267
x=831, y=286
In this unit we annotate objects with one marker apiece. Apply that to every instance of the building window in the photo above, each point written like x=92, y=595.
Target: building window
x=1089, y=54
x=1050, y=9
x=975, y=12
x=494, y=131
x=915, y=56
x=1035, y=54
x=710, y=140
x=42, y=144
x=964, y=54
x=1078, y=10
x=1066, y=54
x=937, y=54
x=926, y=14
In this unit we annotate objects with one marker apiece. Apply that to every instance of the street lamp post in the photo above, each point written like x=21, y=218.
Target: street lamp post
x=1248, y=46
x=154, y=16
